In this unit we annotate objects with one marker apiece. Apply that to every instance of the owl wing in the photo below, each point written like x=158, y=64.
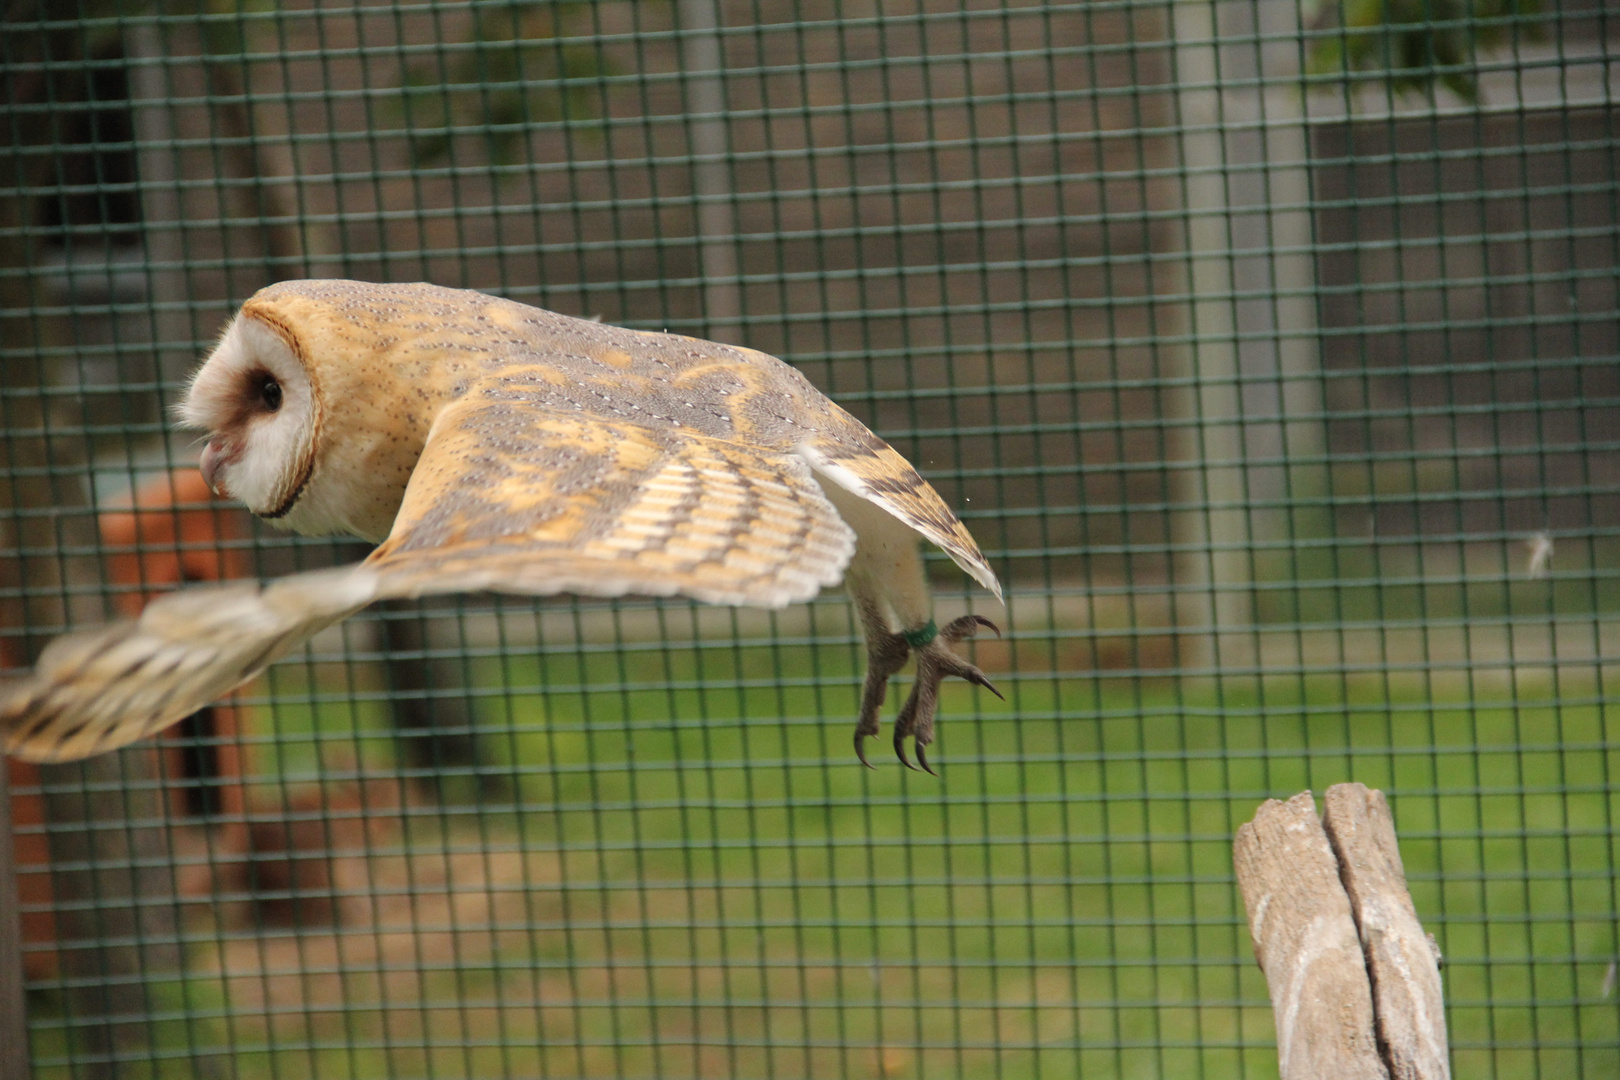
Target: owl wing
x=847, y=453
x=515, y=497
x=104, y=688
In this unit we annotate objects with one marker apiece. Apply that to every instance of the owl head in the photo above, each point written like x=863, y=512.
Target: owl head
x=254, y=400
x=318, y=399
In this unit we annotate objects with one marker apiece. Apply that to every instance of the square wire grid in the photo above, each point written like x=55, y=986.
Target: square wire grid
x=1272, y=360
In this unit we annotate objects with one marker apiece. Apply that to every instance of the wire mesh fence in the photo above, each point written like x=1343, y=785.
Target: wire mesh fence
x=1269, y=354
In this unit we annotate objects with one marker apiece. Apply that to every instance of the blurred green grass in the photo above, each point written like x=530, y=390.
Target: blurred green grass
x=695, y=878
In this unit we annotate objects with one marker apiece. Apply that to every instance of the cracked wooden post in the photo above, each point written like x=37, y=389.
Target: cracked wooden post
x=1355, y=983
x=1402, y=961
x=1305, y=939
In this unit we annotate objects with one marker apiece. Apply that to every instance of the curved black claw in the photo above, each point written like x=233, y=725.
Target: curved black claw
x=976, y=677
x=860, y=749
x=900, y=748
x=922, y=759
x=959, y=630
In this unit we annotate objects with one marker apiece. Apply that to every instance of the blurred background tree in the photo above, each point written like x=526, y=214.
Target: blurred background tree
x=1415, y=45
x=516, y=64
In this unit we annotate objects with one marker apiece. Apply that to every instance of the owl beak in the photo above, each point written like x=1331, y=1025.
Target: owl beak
x=212, y=458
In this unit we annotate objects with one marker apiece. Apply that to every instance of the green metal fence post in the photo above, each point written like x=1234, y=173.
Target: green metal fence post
x=13, y=999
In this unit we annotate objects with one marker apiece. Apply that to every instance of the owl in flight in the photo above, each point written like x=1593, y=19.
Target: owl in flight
x=487, y=445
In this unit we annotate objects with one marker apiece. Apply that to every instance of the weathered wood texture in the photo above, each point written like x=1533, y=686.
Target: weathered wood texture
x=1355, y=982
x=1305, y=939
x=1402, y=960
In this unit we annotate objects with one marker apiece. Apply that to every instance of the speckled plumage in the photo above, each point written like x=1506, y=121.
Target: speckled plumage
x=488, y=445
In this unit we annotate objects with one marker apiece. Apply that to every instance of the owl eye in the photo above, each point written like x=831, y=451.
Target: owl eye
x=269, y=392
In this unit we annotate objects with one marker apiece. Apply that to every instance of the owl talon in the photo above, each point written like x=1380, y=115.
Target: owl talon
x=900, y=749
x=977, y=678
x=886, y=654
x=935, y=663
x=958, y=630
x=860, y=748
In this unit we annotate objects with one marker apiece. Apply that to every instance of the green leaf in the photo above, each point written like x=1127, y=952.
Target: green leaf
x=520, y=69
x=1416, y=45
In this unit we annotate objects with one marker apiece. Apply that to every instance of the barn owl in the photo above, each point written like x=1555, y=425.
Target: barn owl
x=486, y=445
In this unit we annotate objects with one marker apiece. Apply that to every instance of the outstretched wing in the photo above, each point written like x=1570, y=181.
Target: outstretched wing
x=515, y=497
x=101, y=689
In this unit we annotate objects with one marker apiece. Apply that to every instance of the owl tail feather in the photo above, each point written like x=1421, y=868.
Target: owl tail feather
x=104, y=688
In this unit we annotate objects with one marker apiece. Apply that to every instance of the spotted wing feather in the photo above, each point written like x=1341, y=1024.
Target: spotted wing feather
x=513, y=497
x=100, y=689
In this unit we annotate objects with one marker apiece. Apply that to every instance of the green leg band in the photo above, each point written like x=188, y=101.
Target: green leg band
x=922, y=635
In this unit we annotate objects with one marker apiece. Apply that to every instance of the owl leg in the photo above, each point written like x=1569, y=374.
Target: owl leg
x=935, y=662
x=889, y=588
x=886, y=653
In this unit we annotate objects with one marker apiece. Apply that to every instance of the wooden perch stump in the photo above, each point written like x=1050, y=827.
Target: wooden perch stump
x=1355, y=982
x=1403, y=962
x=1305, y=939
